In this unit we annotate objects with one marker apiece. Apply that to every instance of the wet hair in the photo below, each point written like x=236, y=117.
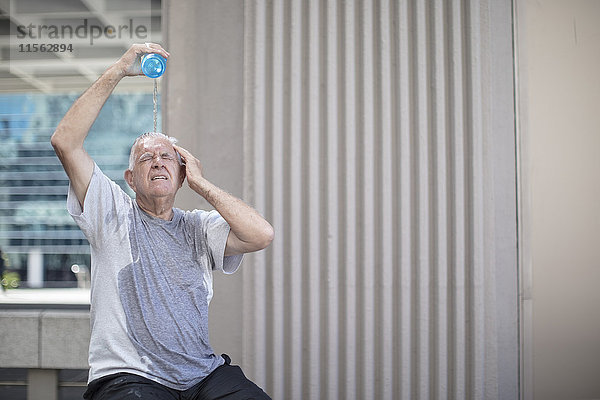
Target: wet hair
x=143, y=136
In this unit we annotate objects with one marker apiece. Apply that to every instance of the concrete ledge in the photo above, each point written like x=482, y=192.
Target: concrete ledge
x=44, y=299
x=44, y=339
x=19, y=339
x=64, y=339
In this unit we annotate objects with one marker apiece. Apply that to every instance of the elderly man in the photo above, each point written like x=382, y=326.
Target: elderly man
x=152, y=263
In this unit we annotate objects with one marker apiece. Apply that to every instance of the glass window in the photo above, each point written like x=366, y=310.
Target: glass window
x=46, y=61
x=34, y=223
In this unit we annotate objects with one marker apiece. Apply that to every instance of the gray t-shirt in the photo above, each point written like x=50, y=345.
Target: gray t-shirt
x=151, y=286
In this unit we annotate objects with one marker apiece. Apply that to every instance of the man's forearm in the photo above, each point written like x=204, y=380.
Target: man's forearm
x=250, y=228
x=75, y=125
x=72, y=130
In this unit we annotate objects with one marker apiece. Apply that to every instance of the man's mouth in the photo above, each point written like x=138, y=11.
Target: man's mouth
x=159, y=177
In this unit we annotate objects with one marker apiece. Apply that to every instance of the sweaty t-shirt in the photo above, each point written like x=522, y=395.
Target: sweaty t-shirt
x=151, y=286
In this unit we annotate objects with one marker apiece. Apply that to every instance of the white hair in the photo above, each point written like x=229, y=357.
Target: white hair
x=143, y=136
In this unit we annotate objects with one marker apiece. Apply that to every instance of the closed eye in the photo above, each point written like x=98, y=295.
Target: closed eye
x=145, y=157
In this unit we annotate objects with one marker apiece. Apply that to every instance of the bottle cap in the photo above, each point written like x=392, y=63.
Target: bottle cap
x=153, y=65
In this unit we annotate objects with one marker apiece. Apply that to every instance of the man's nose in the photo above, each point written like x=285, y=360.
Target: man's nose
x=157, y=162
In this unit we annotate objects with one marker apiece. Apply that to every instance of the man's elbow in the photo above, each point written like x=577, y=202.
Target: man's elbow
x=54, y=140
x=64, y=141
x=263, y=239
x=258, y=240
x=268, y=236
x=58, y=140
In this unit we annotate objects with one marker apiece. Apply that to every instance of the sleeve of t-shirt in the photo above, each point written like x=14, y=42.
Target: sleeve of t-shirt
x=215, y=230
x=104, y=211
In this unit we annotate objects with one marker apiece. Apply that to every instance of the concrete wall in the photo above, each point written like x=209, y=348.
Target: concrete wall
x=378, y=138
x=559, y=93
x=202, y=107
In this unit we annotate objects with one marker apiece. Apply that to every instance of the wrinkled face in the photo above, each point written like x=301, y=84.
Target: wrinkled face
x=156, y=169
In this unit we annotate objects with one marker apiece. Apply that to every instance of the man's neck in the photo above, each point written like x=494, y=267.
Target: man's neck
x=157, y=208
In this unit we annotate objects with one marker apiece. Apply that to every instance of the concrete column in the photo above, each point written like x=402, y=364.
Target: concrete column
x=35, y=268
x=202, y=105
x=42, y=384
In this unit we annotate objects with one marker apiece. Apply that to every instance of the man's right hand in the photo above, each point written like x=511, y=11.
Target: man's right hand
x=130, y=63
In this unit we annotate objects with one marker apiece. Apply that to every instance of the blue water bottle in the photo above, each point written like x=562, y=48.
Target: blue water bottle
x=153, y=65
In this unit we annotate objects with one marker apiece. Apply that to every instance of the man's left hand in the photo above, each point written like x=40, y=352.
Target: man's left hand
x=193, y=169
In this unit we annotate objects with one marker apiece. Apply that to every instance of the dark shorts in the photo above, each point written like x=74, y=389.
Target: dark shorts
x=226, y=382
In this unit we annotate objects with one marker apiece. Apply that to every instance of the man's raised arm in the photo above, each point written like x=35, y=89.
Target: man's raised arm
x=249, y=230
x=72, y=130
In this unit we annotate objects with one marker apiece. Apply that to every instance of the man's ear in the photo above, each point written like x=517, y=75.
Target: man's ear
x=181, y=175
x=128, y=175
